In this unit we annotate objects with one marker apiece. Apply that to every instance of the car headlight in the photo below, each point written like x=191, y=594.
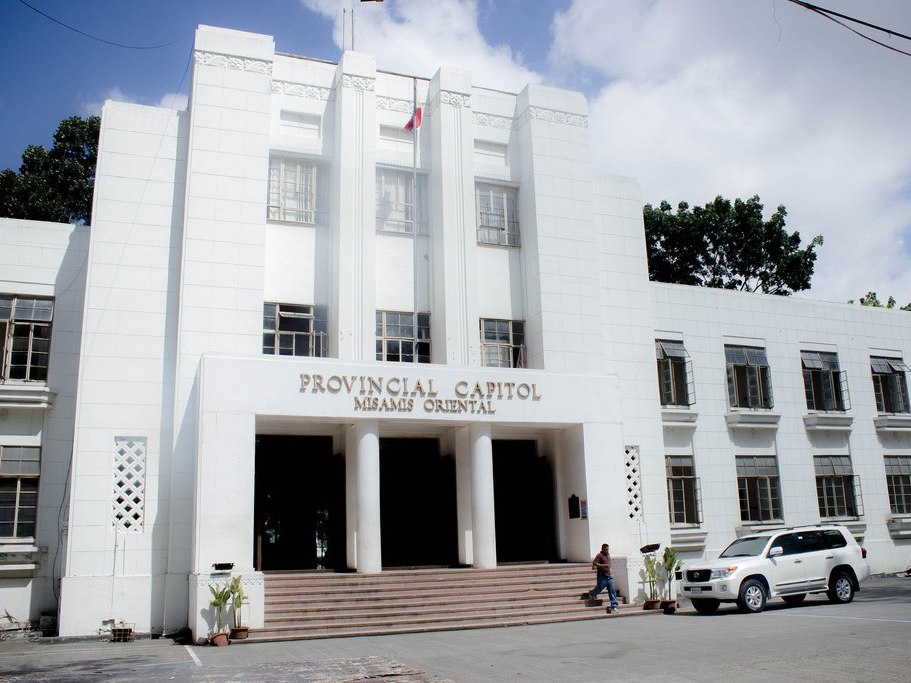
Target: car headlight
x=723, y=573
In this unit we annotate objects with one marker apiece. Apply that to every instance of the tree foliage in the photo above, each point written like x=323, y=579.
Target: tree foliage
x=872, y=300
x=55, y=184
x=728, y=246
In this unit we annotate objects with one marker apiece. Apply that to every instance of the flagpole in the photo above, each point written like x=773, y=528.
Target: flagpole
x=414, y=193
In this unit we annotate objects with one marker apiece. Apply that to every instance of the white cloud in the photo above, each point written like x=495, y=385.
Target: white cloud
x=168, y=100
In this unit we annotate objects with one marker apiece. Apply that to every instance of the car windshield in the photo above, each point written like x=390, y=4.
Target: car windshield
x=746, y=547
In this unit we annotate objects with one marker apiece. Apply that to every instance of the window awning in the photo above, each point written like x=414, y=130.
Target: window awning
x=671, y=349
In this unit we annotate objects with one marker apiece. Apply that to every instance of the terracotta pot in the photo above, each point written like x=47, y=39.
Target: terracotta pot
x=651, y=604
x=669, y=606
x=240, y=632
x=219, y=639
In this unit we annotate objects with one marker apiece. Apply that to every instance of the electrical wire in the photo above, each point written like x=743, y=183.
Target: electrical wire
x=100, y=40
x=830, y=15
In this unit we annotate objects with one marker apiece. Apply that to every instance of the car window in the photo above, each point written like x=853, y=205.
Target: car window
x=748, y=546
x=811, y=540
x=834, y=539
x=790, y=544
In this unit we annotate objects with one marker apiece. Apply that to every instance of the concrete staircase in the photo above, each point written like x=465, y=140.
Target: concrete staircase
x=303, y=605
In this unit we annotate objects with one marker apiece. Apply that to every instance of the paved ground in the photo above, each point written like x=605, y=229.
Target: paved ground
x=866, y=640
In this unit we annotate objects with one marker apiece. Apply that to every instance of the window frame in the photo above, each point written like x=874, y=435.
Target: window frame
x=497, y=227
x=825, y=384
x=749, y=377
x=513, y=346
x=18, y=478
x=838, y=493
x=676, y=386
x=409, y=224
x=277, y=197
x=26, y=324
x=890, y=385
x=684, y=494
x=390, y=326
x=898, y=483
x=314, y=341
x=757, y=489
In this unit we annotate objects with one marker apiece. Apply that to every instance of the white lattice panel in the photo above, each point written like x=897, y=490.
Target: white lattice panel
x=129, y=483
x=633, y=483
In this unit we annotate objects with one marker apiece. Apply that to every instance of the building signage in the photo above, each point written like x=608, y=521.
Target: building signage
x=407, y=395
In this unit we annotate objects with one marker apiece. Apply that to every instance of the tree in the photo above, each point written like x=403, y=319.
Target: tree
x=872, y=300
x=728, y=246
x=56, y=184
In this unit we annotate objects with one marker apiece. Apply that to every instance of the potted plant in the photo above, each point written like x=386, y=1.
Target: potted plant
x=221, y=596
x=670, y=565
x=651, y=575
x=238, y=631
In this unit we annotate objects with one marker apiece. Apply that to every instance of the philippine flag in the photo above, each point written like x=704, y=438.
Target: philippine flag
x=415, y=120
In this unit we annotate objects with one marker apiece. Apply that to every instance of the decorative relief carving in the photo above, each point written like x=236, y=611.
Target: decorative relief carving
x=456, y=99
x=395, y=104
x=232, y=62
x=494, y=121
x=312, y=92
x=360, y=83
x=554, y=116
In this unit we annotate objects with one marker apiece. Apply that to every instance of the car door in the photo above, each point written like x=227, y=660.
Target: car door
x=787, y=571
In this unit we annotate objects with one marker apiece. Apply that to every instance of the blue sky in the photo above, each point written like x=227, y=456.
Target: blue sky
x=694, y=99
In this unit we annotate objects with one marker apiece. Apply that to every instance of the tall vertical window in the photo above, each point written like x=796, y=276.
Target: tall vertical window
x=836, y=486
x=291, y=330
x=293, y=190
x=19, y=470
x=674, y=374
x=502, y=343
x=498, y=217
x=898, y=482
x=757, y=484
x=682, y=490
x=396, y=209
x=749, y=379
x=402, y=337
x=25, y=337
x=890, y=385
x=825, y=385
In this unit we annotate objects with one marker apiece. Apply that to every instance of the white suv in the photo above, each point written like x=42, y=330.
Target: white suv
x=786, y=563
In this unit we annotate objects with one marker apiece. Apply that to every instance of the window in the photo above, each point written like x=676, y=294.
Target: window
x=19, y=470
x=890, y=385
x=682, y=490
x=757, y=484
x=395, y=209
x=835, y=486
x=25, y=338
x=898, y=482
x=291, y=330
x=498, y=218
x=502, y=343
x=674, y=374
x=825, y=386
x=749, y=380
x=293, y=185
x=402, y=337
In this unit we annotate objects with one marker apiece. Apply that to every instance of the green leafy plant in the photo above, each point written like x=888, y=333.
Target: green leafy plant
x=237, y=599
x=651, y=574
x=221, y=596
x=671, y=565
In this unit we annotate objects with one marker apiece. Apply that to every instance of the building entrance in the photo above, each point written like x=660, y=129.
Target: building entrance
x=523, y=503
x=299, y=505
x=418, y=521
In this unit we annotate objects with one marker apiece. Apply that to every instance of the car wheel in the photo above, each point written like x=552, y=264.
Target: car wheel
x=752, y=596
x=794, y=599
x=841, y=589
x=705, y=605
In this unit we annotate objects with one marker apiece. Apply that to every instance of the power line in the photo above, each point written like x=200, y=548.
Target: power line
x=100, y=40
x=830, y=15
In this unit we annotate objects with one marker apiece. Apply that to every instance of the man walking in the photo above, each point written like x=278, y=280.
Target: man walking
x=601, y=563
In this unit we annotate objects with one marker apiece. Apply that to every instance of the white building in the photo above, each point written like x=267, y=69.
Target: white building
x=284, y=361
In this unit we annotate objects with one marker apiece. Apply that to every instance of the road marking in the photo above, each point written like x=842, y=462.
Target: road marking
x=193, y=655
x=832, y=616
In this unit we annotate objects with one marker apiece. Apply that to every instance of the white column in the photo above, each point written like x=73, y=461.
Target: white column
x=367, y=443
x=463, y=494
x=484, y=536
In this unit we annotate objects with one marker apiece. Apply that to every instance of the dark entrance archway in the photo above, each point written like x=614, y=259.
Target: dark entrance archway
x=299, y=505
x=523, y=503
x=418, y=521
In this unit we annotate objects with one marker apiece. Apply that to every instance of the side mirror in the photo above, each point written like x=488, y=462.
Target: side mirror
x=776, y=551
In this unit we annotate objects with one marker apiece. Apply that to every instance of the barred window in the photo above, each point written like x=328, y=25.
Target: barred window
x=293, y=330
x=757, y=485
x=836, y=486
x=898, y=482
x=675, y=375
x=20, y=467
x=682, y=490
x=890, y=385
x=293, y=190
x=395, y=202
x=25, y=337
x=502, y=343
x=498, y=217
x=402, y=337
x=749, y=379
x=826, y=386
